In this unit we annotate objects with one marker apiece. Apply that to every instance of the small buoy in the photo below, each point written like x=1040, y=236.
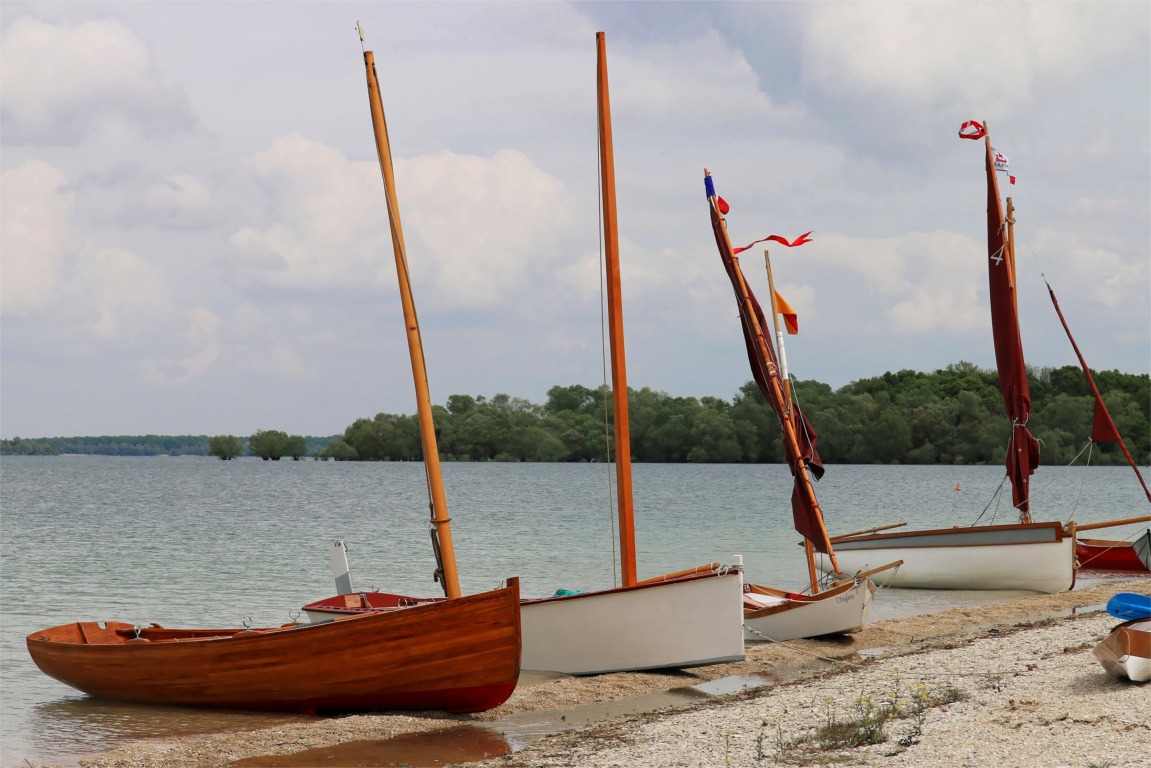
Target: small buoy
x=957, y=487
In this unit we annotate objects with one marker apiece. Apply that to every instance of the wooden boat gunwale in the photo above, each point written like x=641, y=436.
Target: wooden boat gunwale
x=1056, y=528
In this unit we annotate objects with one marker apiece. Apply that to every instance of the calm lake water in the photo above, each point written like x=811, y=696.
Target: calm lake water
x=201, y=542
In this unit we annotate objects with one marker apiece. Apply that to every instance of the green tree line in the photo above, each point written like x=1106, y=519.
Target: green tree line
x=162, y=445
x=952, y=416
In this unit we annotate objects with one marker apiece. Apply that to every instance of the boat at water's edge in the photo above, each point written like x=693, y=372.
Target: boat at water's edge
x=459, y=655
x=1132, y=556
x=977, y=557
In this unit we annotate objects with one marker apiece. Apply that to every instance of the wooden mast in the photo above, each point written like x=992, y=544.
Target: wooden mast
x=789, y=425
x=441, y=530
x=615, y=324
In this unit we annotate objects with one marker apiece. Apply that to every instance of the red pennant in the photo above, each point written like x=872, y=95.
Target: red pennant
x=801, y=240
x=972, y=129
x=722, y=204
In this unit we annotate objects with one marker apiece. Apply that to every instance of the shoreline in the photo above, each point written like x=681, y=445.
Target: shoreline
x=1025, y=662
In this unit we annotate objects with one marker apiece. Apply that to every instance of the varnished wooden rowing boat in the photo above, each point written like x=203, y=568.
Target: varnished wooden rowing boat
x=458, y=655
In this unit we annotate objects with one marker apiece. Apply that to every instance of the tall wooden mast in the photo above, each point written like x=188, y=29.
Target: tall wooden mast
x=441, y=523
x=615, y=325
x=788, y=423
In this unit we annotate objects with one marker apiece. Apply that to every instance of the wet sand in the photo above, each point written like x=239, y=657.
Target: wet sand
x=800, y=668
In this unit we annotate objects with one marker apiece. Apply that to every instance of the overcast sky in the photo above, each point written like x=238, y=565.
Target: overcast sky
x=194, y=236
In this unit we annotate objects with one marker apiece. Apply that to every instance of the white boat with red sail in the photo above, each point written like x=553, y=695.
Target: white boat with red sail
x=461, y=654
x=836, y=605
x=684, y=619
x=1018, y=555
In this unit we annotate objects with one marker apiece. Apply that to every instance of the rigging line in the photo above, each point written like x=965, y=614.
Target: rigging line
x=1064, y=469
x=996, y=495
x=607, y=437
x=1034, y=253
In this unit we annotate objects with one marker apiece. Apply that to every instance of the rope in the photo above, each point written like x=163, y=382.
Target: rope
x=615, y=555
x=996, y=496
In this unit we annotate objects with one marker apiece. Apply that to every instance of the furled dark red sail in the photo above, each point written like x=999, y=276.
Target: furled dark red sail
x=1023, y=450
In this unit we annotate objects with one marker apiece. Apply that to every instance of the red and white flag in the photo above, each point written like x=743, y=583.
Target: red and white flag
x=1002, y=164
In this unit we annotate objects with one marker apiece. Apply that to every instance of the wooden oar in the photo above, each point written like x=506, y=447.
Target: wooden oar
x=1113, y=523
x=866, y=530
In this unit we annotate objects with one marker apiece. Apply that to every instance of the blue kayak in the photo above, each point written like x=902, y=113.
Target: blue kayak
x=1129, y=606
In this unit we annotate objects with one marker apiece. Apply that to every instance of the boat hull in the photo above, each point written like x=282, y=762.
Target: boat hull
x=771, y=615
x=677, y=623
x=1126, y=652
x=1034, y=557
x=681, y=623
x=460, y=655
x=1106, y=555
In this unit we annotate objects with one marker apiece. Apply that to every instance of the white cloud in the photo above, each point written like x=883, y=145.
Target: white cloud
x=59, y=80
x=124, y=295
x=691, y=84
x=329, y=219
x=928, y=282
x=180, y=201
x=487, y=223
x=990, y=56
x=34, y=233
x=473, y=226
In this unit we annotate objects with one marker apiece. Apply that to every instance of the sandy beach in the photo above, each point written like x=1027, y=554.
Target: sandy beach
x=1012, y=683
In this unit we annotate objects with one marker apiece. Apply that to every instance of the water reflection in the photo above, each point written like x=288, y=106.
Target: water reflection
x=443, y=746
x=83, y=725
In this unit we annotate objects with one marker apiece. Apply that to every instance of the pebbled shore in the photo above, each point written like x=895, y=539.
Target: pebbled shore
x=1012, y=683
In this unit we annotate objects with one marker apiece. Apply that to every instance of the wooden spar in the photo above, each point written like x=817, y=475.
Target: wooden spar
x=1113, y=523
x=1009, y=255
x=440, y=520
x=1009, y=250
x=787, y=424
x=876, y=529
x=615, y=325
x=801, y=470
x=778, y=331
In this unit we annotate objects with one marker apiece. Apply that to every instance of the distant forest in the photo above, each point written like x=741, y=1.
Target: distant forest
x=951, y=416
x=130, y=445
